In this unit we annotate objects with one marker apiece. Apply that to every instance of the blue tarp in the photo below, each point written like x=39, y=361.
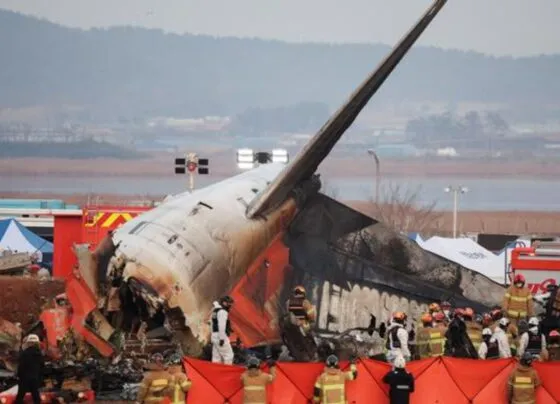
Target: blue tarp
x=16, y=237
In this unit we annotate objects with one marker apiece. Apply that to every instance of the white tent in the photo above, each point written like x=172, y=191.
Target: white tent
x=468, y=254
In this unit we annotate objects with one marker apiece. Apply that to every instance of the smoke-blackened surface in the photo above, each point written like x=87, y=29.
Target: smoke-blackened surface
x=350, y=263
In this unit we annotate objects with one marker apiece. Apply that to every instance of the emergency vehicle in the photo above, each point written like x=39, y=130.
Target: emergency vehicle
x=539, y=264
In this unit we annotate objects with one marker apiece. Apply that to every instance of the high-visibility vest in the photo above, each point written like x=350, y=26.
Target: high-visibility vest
x=517, y=302
x=524, y=386
x=179, y=387
x=155, y=385
x=254, y=387
x=474, y=330
x=423, y=342
x=437, y=341
x=332, y=386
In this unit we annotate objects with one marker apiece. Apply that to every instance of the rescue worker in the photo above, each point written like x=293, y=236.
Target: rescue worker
x=423, y=337
x=533, y=340
x=330, y=387
x=474, y=329
x=155, y=387
x=511, y=331
x=397, y=338
x=458, y=343
x=30, y=370
x=437, y=335
x=550, y=300
x=486, y=320
x=501, y=337
x=401, y=383
x=553, y=347
x=222, y=352
x=254, y=382
x=179, y=384
x=302, y=309
x=446, y=308
x=523, y=382
x=433, y=308
x=518, y=301
x=489, y=348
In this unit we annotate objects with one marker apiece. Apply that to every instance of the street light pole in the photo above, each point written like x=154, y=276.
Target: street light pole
x=372, y=153
x=456, y=190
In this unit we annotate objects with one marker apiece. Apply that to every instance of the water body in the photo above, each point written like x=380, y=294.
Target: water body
x=484, y=194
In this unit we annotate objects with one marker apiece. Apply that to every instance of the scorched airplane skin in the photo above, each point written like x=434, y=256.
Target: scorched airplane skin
x=196, y=247
x=182, y=255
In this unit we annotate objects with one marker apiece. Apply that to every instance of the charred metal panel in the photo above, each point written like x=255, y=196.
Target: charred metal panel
x=356, y=266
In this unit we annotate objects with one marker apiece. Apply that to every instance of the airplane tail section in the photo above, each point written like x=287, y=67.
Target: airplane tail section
x=306, y=162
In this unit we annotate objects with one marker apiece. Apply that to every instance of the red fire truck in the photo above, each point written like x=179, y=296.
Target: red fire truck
x=540, y=264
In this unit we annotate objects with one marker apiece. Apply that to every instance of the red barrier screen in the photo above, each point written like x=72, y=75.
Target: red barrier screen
x=442, y=380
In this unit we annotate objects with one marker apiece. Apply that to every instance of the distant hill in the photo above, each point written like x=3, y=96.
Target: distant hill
x=130, y=73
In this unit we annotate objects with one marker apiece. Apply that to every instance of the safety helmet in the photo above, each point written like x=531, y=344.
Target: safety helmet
x=399, y=316
x=445, y=305
x=554, y=333
x=468, y=312
x=226, y=299
x=400, y=362
x=504, y=322
x=519, y=278
x=487, y=331
x=332, y=361
x=533, y=321
x=496, y=314
x=459, y=312
x=433, y=307
x=299, y=290
x=486, y=319
x=478, y=318
x=526, y=359
x=426, y=318
x=32, y=338
x=253, y=363
x=439, y=316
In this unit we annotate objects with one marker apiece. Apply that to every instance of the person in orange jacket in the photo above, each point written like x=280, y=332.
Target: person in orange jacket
x=518, y=301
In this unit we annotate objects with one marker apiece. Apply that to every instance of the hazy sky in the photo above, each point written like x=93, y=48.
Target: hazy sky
x=518, y=27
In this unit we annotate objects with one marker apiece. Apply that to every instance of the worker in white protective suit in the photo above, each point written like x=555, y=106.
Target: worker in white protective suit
x=500, y=335
x=488, y=348
x=397, y=338
x=533, y=341
x=222, y=351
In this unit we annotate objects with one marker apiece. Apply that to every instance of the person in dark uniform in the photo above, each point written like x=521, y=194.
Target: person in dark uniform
x=30, y=370
x=401, y=383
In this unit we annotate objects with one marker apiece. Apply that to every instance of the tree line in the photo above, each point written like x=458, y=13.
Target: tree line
x=131, y=73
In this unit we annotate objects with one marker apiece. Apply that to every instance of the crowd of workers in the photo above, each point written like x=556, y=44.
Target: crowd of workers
x=504, y=332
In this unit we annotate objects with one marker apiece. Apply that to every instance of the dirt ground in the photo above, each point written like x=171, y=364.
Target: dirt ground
x=21, y=298
x=489, y=222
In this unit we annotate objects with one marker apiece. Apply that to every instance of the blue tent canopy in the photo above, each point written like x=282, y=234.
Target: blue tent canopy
x=16, y=237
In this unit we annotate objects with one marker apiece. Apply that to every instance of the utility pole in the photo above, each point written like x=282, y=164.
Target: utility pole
x=372, y=153
x=456, y=190
x=193, y=164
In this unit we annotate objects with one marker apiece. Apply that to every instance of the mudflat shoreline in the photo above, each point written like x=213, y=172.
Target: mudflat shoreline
x=224, y=165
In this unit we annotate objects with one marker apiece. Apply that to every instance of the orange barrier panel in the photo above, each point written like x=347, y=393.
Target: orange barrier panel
x=441, y=380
